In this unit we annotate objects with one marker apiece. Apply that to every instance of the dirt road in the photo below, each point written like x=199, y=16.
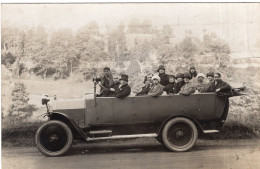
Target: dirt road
x=228, y=154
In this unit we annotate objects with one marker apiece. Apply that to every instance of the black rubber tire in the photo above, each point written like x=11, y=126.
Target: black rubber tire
x=176, y=128
x=40, y=139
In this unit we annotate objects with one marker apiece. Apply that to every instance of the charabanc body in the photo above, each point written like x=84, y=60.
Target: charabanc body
x=175, y=120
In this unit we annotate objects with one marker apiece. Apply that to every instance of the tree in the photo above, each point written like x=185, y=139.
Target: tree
x=89, y=48
x=12, y=44
x=219, y=47
x=20, y=109
x=36, y=51
x=61, y=53
x=117, y=48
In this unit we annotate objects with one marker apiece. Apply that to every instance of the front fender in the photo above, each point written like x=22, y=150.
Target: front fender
x=70, y=122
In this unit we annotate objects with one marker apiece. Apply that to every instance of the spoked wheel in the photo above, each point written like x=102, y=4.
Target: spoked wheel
x=54, y=138
x=179, y=134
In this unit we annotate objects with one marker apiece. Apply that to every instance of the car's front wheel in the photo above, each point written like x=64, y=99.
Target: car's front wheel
x=179, y=134
x=54, y=138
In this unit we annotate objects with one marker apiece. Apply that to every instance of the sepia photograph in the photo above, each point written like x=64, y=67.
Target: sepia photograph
x=130, y=85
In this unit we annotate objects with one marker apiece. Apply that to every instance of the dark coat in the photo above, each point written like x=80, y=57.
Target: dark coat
x=114, y=86
x=178, y=86
x=164, y=79
x=144, y=91
x=122, y=91
x=170, y=88
x=223, y=86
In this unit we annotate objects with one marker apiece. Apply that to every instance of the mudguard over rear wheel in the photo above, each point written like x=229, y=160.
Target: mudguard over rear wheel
x=179, y=134
x=54, y=138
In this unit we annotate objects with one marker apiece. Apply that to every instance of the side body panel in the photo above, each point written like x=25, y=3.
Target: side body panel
x=146, y=109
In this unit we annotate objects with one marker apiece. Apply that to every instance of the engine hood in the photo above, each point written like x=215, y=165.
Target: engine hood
x=69, y=104
x=66, y=104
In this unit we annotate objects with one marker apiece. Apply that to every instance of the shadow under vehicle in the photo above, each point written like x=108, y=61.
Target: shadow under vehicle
x=175, y=120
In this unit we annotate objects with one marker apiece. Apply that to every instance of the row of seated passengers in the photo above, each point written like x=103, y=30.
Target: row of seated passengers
x=183, y=84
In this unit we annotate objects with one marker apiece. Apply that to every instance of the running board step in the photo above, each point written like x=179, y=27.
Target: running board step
x=123, y=136
x=100, y=132
x=210, y=131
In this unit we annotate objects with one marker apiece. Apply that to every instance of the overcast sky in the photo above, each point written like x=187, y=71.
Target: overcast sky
x=238, y=24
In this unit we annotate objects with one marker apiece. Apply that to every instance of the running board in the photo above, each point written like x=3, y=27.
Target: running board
x=100, y=132
x=123, y=136
x=210, y=131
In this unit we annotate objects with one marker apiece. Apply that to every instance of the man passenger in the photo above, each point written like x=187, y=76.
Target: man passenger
x=218, y=85
x=188, y=87
x=156, y=88
x=147, y=85
x=123, y=90
x=114, y=86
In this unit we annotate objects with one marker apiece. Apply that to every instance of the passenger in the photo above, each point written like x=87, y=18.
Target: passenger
x=188, y=88
x=218, y=85
x=200, y=85
x=147, y=85
x=123, y=90
x=210, y=77
x=148, y=77
x=170, y=87
x=114, y=86
x=163, y=76
x=179, y=83
x=156, y=88
x=193, y=72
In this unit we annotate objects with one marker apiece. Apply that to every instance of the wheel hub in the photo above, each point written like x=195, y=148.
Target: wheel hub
x=179, y=133
x=53, y=138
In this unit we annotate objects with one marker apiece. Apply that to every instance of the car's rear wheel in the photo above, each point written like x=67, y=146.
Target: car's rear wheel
x=179, y=134
x=54, y=138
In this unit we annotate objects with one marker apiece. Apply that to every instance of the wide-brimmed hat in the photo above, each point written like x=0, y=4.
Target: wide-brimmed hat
x=156, y=77
x=187, y=75
x=161, y=67
x=124, y=77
